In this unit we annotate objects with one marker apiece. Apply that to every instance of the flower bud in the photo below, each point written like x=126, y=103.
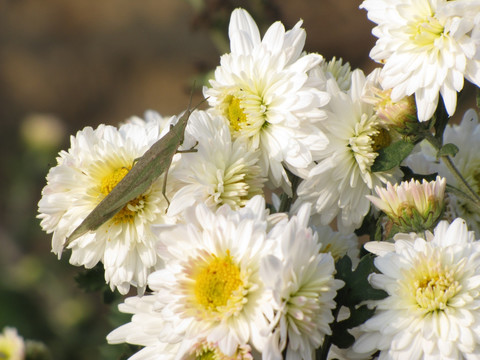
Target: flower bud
x=398, y=115
x=411, y=205
x=401, y=114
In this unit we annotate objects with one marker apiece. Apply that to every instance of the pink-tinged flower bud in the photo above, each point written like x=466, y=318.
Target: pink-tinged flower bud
x=399, y=115
x=208, y=350
x=411, y=205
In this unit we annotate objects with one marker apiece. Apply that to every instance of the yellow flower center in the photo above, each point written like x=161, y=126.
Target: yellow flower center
x=216, y=282
x=235, y=114
x=425, y=33
x=246, y=113
x=110, y=181
x=433, y=292
x=127, y=214
x=432, y=284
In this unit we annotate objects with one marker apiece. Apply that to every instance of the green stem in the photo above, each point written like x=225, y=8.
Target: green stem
x=285, y=203
x=461, y=180
x=460, y=194
x=452, y=168
x=285, y=200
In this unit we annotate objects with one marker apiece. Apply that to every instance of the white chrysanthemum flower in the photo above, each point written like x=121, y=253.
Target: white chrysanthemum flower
x=338, y=183
x=150, y=327
x=156, y=329
x=341, y=72
x=301, y=280
x=432, y=307
x=96, y=161
x=428, y=47
x=338, y=244
x=12, y=346
x=262, y=87
x=210, y=289
x=466, y=136
x=221, y=171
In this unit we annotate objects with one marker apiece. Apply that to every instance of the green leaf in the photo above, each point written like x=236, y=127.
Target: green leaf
x=368, y=226
x=340, y=335
x=408, y=175
x=448, y=150
x=91, y=280
x=358, y=317
x=392, y=155
x=357, y=288
x=440, y=119
x=378, y=236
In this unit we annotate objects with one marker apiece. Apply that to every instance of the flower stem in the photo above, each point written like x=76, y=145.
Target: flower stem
x=455, y=172
x=461, y=180
x=460, y=194
x=285, y=200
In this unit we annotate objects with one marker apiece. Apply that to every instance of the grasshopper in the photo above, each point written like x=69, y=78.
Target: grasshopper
x=146, y=169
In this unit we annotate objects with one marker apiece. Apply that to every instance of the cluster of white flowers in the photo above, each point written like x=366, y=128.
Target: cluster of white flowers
x=221, y=274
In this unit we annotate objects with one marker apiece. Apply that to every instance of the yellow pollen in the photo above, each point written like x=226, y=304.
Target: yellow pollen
x=215, y=283
x=381, y=139
x=127, y=214
x=235, y=114
x=110, y=181
x=432, y=291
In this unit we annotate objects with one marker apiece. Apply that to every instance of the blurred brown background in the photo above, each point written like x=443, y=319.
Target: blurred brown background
x=66, y=64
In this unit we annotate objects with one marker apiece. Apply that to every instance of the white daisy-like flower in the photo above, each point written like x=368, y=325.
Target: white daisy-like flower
x=341, y=72
x=12, y=346
x=428, y=47
x=221, y=171
x=210, y=288
x=156, y=329
x=301, y=280
x=96, y=161
x=263, y=88
x=432, y=310
x=150, y=327
x=338, y=183
x=466, y=136
x=337, y=243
